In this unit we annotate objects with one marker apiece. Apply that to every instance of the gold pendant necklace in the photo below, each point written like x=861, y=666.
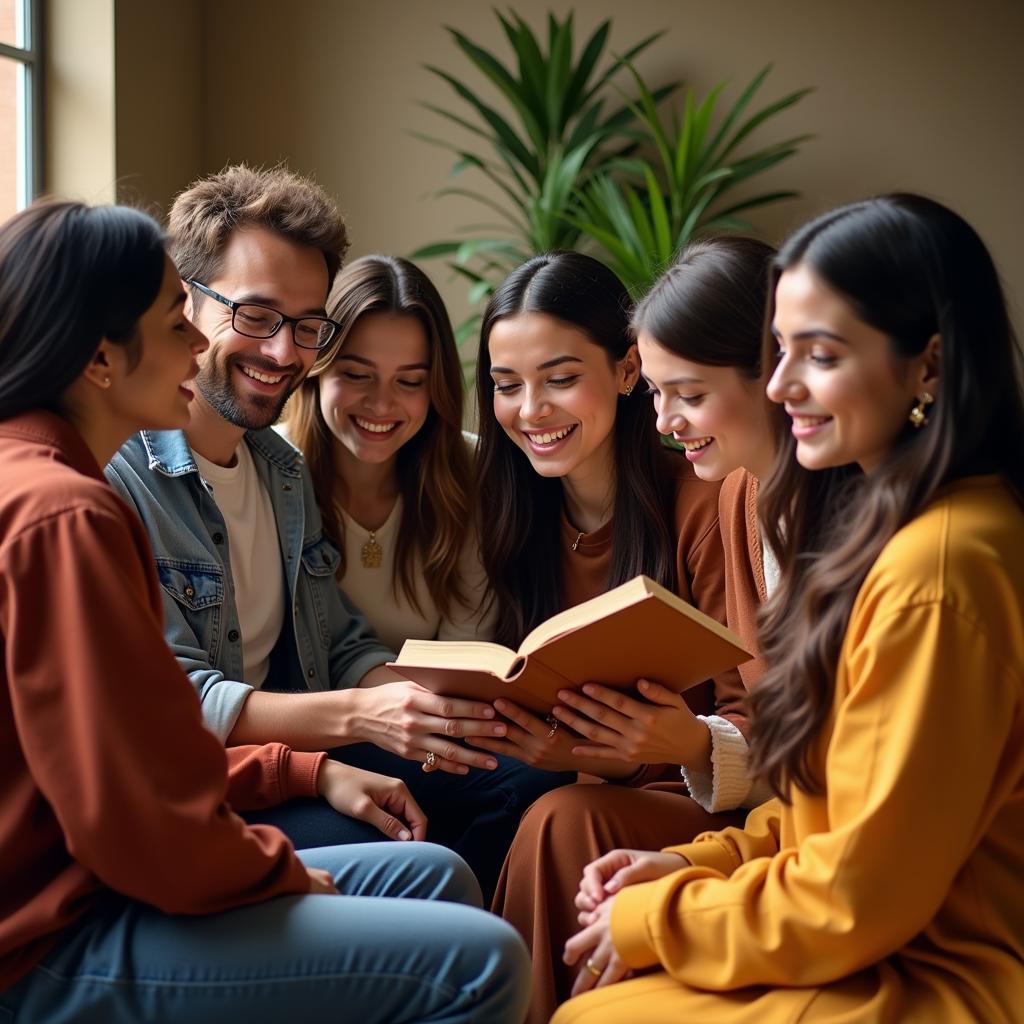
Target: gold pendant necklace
x=371, y=553
x=576, y=543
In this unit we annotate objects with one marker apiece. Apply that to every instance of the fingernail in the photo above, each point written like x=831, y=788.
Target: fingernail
x=498, y=730
x=564, y=695
x=404, y=835
x=492, y=764
x=500, y=705
x=588, y=689
x=462, y=770
x=488, y=712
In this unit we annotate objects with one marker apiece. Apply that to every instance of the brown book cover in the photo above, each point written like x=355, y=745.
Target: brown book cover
x=638, y=630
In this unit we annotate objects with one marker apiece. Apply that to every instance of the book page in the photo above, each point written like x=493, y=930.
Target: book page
x=458, y=654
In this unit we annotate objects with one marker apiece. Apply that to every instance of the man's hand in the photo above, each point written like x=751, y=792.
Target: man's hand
x=593, y=945
x=379, y=800
x=604, y=877
x=412, y=722
x=660, y=729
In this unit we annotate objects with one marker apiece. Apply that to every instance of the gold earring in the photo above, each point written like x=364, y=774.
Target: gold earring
x=918, y=416
x=106, y=381
x=629, y=390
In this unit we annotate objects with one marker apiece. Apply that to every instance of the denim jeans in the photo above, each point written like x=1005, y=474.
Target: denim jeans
x=476, y=815
x=403, y=943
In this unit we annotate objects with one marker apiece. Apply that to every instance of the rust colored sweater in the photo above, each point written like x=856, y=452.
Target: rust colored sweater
x=700, y=568
x=745, y=588
x=108, y=779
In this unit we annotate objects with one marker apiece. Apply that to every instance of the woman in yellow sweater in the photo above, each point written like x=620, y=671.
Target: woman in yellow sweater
x=885, y=882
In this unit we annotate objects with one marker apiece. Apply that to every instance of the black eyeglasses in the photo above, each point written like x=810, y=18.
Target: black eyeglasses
x=255, y=321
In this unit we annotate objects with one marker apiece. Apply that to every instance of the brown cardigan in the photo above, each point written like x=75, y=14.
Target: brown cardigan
x=745, y=589
x=110, y=779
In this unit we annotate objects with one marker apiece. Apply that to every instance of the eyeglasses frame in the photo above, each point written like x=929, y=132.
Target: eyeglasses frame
x=293, y=320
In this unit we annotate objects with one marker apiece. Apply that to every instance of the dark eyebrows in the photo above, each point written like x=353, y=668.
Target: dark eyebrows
x=557, y=361
x=811, y=334
x=373, y=366
x=676, y=381
x=255, y=299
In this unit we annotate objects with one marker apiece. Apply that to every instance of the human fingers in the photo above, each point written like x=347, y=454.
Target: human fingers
x=456, y=728
x=645, y=867
x=399, y=816
x=450, y=707
x=596, y=873
x=595, y=710
x=452, y=757
x=658, y=694
x=526, y=720
x=580, y=944
x=321, y=882
x=591, y=975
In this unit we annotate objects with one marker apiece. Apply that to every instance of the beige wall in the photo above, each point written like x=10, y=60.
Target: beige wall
x=160, y=98
x=914, y=94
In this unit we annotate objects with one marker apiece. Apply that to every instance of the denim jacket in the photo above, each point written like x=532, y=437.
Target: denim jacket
x=324, y=644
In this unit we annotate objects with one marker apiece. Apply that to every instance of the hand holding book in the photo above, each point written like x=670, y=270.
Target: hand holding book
x=638, y=630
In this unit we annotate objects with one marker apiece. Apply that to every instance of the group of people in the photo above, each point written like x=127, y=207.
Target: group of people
x=230, y=461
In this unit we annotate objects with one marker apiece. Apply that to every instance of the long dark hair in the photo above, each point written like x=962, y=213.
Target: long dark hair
x=70, y=276
x=433, y=468
x=911, y=269
x=520, y=511
x=709, y=306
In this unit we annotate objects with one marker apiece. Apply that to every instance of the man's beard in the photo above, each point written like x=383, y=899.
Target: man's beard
x=255, y=412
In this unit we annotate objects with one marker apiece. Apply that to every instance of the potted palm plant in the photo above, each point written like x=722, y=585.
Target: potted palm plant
x=560, y=126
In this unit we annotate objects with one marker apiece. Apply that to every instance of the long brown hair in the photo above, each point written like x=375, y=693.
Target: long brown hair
x=433, y=468
x=520, y=510
x=911, y=269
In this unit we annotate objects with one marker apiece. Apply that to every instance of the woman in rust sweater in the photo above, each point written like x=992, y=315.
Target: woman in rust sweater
x=128, y=888
x=577, y=496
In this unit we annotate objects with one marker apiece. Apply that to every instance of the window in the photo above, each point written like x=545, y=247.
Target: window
x=21, y=75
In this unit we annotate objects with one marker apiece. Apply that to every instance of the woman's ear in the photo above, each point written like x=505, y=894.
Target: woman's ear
x=99, y=370
x=629, y=368
x=931, y=364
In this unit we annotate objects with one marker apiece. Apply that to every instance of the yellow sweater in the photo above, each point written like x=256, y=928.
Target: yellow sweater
x=909, y=871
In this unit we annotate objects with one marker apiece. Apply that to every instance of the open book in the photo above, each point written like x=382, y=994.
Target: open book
x=638, y=630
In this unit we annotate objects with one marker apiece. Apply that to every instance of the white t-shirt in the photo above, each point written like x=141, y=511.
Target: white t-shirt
x=255, y=556
x=373, y=590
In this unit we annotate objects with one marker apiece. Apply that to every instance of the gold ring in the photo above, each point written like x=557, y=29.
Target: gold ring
x=553, y=722
x=593, y=968
x=431, y=761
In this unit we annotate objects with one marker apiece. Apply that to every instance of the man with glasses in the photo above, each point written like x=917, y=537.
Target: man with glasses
x=253, y=612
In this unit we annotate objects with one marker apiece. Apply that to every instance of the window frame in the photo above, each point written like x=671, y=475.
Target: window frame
x=30, y=57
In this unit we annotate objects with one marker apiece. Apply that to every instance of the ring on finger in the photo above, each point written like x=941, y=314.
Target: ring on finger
x=553, y=722
x=431, y=762
x=593, y=968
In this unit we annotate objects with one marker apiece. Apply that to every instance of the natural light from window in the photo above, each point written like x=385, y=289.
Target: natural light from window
x=19, y=63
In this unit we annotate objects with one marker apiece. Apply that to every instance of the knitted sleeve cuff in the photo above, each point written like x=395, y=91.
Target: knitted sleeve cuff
x=728, y=784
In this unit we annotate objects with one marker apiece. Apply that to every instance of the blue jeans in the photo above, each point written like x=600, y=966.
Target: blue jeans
x=476, y=815
x=396, y=946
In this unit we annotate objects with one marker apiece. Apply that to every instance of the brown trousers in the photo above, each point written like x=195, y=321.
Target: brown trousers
x=559, y=835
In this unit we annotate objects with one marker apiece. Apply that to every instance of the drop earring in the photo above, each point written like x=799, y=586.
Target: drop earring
x=918, y=414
